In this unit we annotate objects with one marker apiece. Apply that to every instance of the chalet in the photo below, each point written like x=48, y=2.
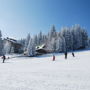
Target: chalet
x=41, y=49
x=13, y=44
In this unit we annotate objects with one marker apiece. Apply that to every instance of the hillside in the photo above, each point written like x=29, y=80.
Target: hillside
x=41, y=73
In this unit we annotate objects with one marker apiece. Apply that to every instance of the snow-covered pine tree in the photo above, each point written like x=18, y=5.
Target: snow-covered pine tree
x=53, y=32
x=31, y=48
x=61, y=45
x=84, y=38
x=44, y=39
x=88, y=42
x=65, y=32
x=7, y=48
x=40, y=38
x=78, y=36
x=74, y=38
x=51, y=41
x=22, y=42
x=51, y=45
x=1, y=44
x=36, y=40
x=27, y=42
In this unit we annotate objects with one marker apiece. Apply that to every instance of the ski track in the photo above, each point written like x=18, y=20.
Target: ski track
x=41, y=73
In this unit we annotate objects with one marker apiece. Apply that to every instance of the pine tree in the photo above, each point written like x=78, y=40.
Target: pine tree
x=40, y=38
x=65, y=32
x=27, y=42
x=7, y=48
x=53, y=33
x=1, y=43
x=31, y=48
x=84, y=38
x=22, y=42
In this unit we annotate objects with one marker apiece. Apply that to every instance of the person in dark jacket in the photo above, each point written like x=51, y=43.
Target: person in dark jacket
x=3, y=57
x=73, y=54
x=65, y=55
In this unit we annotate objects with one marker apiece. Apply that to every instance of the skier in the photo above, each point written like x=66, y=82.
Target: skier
x=65, y=55
x=73, y=54
x=53, y=57
x=3, y=57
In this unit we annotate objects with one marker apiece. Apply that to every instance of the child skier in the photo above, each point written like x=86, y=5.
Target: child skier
x=53, y=57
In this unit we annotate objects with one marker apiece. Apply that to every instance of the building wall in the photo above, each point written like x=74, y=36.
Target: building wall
x=11, y=47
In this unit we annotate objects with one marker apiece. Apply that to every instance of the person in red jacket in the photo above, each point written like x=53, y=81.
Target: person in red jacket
x=53, y=57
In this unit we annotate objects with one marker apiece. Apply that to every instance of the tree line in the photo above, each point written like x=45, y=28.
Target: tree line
x=67, y=39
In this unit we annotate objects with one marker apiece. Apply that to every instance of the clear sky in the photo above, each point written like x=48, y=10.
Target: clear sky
x=19, y=17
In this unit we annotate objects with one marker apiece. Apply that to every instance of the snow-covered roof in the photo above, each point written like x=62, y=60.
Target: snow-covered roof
x=12, y=40
x=40, y=46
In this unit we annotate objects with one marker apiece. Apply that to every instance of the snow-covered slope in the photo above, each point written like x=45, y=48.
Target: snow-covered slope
x=41, y=73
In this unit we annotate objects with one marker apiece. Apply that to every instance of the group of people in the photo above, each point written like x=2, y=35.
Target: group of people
x=65, y=55
x=4, y=57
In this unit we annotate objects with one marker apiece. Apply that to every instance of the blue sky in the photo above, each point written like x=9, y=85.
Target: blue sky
x=20, y=17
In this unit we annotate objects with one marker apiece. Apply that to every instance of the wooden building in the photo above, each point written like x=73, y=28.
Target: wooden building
x=13, y=44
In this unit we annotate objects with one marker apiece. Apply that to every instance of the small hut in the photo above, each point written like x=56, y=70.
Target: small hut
x=41, y=49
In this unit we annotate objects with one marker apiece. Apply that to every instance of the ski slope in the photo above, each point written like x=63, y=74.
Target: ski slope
x=41, y=73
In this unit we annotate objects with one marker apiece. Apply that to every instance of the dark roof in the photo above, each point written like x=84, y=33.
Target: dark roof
x=12, y=40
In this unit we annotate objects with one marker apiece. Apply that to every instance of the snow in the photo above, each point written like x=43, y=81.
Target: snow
x=41, y=73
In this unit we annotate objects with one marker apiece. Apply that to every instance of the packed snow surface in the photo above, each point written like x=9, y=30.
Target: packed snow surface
x=41, y=73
